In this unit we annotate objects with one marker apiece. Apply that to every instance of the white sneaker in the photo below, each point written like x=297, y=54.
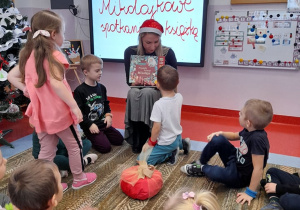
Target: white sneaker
x=63, y=173
x=90, y=158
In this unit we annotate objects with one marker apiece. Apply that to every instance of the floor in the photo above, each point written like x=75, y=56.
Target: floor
x=284, y=138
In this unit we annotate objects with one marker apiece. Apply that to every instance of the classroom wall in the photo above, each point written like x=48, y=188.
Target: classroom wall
x=216, y=87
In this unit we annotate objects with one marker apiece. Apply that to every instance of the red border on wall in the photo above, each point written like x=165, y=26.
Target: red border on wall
x=220, y=112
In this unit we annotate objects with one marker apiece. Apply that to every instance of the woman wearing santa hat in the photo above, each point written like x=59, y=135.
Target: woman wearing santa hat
x=140, y=100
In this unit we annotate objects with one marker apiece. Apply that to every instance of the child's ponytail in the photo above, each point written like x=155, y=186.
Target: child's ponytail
x=24, y=55
x=43, y=46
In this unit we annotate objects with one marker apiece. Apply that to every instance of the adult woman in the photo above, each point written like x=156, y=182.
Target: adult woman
x=140, y=100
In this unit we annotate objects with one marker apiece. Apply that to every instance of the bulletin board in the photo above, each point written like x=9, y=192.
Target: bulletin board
x=257, y=39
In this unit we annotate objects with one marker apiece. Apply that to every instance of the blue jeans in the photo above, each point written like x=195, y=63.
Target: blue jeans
x=227, y=152
x=162, y=152
x=288, y=201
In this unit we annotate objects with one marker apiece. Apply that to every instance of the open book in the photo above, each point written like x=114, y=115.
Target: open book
x=143, y=70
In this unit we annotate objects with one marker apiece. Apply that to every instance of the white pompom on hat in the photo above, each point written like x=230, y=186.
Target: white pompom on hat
x=152, y=26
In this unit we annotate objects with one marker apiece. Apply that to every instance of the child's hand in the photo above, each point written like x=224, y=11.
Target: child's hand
x=108, y=121
x=32, y=126
x=76, y=111
x=270, y=188
x=210, y=136
x=243, y=197
x=25, y=92
x=146, y=147
x=94, y=128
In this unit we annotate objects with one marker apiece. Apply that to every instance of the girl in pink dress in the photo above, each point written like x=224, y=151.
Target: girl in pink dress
x=53, y=111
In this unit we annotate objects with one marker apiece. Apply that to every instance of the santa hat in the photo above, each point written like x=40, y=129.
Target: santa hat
x=151, y=26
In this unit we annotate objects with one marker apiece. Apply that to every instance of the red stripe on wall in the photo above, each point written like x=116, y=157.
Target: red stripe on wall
x=220, y=112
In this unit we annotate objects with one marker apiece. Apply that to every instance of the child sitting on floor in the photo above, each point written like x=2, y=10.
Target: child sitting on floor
x=243, y=166
x=282, y=189
x=203, y=200
x=166, y=132
x=91, y=98
x=36, y=186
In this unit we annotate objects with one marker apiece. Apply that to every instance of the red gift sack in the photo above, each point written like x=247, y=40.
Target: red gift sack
x=141, y=182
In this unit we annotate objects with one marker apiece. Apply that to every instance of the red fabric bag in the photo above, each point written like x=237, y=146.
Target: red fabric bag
x=141, y=182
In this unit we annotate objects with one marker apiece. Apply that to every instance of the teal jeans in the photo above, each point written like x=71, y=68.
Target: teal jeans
x=161, y=153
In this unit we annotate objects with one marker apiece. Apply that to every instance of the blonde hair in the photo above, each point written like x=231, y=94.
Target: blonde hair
x=258, y=112
x=140, y=48
x=43, y=46
x=206, y=199
x=33, y=185
x=88, y=60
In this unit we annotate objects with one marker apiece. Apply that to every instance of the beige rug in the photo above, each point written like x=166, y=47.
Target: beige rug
x=106, y=193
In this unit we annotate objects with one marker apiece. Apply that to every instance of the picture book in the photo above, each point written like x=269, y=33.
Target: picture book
x=143, y=69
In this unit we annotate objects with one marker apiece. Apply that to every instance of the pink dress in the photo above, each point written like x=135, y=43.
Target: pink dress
x=46, y=112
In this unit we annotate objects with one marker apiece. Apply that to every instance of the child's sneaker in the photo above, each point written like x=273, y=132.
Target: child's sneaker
x=193, y=169
x=90, y=158
x=174, y=157
x=272, y=205
x=64, y=186
x=90, y=178
x=63, y=173
x=186, y=144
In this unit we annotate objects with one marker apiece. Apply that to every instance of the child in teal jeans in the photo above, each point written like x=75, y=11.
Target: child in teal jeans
x=166, y=139
x=62, y=158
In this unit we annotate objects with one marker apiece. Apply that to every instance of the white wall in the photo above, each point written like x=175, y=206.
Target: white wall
x=217, y=87
x=45, y=4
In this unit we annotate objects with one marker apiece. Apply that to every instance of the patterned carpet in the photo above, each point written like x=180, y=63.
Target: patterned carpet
x=106, y=194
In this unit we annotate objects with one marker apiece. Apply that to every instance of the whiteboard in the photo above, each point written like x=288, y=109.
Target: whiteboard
x=257, y=39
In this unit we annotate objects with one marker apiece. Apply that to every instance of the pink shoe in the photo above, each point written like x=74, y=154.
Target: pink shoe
x=64, y=186
x=90, y=178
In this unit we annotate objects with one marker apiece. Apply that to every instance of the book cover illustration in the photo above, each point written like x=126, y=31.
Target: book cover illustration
x=143, y=69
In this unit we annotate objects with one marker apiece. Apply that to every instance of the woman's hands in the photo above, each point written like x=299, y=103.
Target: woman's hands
x=139, y=81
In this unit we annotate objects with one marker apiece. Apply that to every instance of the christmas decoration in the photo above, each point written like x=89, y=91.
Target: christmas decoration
x=13, y=34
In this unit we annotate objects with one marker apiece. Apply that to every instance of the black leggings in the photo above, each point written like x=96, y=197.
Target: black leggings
x=288, y=201
x=141, y=133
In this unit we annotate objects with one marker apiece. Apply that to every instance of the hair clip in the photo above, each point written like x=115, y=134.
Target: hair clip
x=196, y=207
x=187, y=195
x=42, y=32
